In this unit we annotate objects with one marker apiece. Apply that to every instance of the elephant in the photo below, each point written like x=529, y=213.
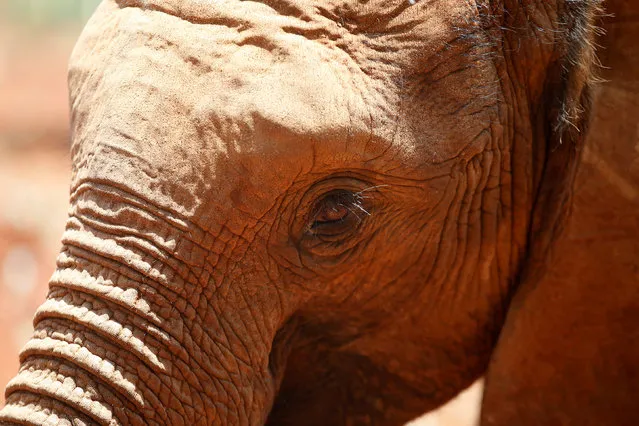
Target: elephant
x=342, y=212
x=577, y=327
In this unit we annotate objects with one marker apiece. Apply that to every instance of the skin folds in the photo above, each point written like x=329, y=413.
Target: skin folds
x=292, y=212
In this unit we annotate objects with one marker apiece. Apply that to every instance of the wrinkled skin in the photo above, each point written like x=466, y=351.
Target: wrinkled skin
x=569, y=350
x=315, y=213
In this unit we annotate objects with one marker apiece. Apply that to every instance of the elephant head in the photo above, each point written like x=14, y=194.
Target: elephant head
x=294, y=212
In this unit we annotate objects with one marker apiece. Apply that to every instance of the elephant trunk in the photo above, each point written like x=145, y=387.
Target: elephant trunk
x=128, y=335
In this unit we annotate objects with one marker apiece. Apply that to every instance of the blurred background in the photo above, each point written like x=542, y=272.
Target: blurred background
x=36, y=39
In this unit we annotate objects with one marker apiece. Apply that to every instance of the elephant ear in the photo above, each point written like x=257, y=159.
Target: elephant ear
x=568, y=353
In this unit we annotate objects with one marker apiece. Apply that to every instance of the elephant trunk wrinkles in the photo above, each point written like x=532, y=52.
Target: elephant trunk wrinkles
x=120, y=341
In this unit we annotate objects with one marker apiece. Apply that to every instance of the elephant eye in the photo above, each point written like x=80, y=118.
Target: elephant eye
x=336, y=213
x=331, y=212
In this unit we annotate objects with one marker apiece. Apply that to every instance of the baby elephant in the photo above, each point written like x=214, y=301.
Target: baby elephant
x=344, y=212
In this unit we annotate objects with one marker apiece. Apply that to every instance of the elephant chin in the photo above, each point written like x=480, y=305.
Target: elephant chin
x=119, y=341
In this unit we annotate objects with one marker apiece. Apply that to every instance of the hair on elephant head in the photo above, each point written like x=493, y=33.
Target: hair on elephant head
x=292, y=212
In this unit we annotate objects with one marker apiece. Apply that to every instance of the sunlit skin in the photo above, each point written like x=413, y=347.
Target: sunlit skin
x=297, y=212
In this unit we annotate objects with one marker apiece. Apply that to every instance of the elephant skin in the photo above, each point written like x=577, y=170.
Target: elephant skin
x=569, y=351
x=317, y=213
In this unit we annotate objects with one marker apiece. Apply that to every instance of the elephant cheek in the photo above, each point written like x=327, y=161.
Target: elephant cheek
x=128, y=335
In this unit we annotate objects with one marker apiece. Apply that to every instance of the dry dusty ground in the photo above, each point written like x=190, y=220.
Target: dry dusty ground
x=34, y=173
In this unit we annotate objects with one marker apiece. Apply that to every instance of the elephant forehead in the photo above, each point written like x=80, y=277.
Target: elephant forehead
x=216, y=77
x=175, y=102
x=168, y=106
x=306, y=91
x=243, y=63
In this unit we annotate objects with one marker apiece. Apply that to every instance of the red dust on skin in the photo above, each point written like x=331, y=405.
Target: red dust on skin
x=528, y=344
x=35, y=170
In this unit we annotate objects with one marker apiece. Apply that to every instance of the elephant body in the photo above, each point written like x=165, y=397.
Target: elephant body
x=337, y=212
x=578, y=331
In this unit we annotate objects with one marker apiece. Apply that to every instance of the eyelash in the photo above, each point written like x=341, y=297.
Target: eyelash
x=355, y=205
x=336, y=220
x=353, y=202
